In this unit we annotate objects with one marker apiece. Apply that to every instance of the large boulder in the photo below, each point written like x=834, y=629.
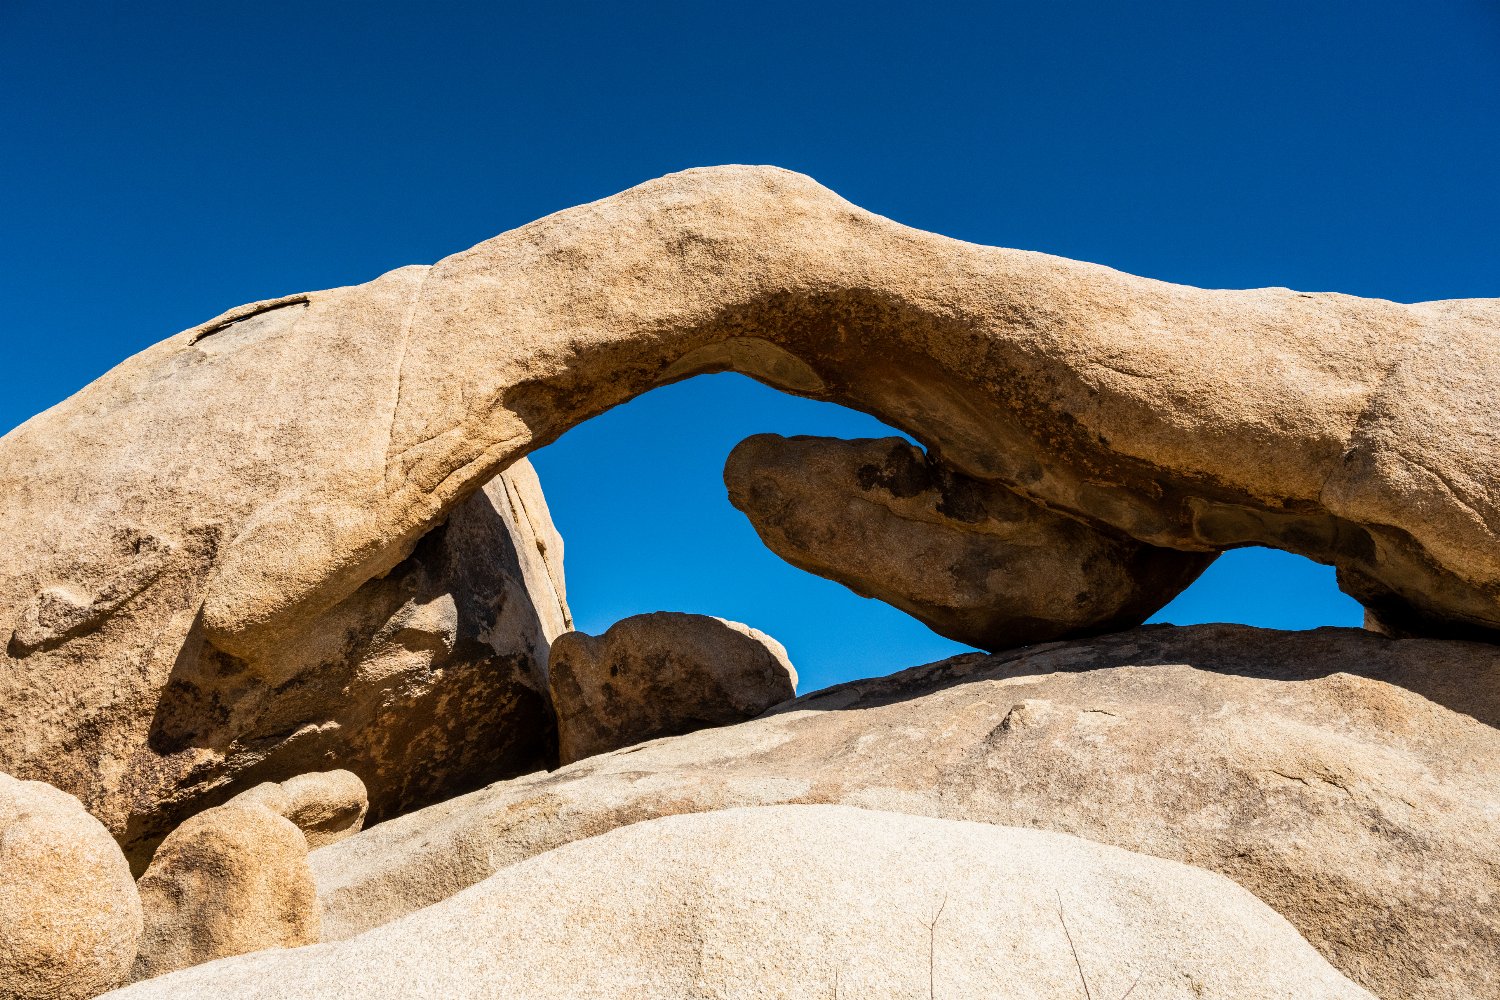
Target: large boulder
x=204, y=550
x=70, y=916
x=810, y=901
x=972, y=560
x=231, y=880
x=1348, y=780
x=661, y=674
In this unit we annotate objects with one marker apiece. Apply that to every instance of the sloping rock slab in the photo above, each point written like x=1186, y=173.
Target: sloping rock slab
x=1349, y=780
x=811, y=901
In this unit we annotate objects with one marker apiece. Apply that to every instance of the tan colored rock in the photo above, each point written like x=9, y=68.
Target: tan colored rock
x=969, y=558
x=326, y=806
x=661, y=674
x=1350, y=781
x=809, y=901
x=231, y=880
x=426, y=682
x=69, y=912
x=177, y=527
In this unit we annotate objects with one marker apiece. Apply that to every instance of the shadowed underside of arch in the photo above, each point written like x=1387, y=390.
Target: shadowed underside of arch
x=236, y=481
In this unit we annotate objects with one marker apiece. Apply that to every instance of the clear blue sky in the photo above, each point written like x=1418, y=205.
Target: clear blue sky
x=162, y=162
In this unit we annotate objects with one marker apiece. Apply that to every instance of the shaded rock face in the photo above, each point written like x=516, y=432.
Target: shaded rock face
x=425, y=682
x=1346, y=779
x=70, y=915
x=800, y=901
x=231, y=880
x=184, y=537
x=970, y=559
x=661, y=674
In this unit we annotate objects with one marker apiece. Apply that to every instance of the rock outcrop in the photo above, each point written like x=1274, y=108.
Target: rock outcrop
x=427, y=682
x=970, y=559
x=812, y=901
x=326, y=806
x=661, y=674
x=70, y=916
x=180, y=627
x=1346, y=779
x=231, y=880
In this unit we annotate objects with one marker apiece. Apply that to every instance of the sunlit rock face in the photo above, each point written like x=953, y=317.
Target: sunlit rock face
x=231, y=880
x=70, y=914
x=206, y=575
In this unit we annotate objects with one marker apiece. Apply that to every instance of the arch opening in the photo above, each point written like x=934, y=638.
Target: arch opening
x=638, y=495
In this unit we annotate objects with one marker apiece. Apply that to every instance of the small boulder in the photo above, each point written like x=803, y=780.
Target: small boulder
x=326, y=806
x=70, y=916
x=661, y=674
x=231, y=880
x=970, y=559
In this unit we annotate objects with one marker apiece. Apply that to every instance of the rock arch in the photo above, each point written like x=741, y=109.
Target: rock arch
x=290, y=451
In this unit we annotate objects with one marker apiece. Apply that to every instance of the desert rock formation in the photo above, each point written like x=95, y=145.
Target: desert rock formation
x=244, y=499
x=969, y=558
x=661, y=674
x=70, y=916
x=426, y=682
x=803, y=901
x=1345, y=779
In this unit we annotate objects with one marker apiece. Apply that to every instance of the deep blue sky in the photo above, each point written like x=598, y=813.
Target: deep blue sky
x=162, y=162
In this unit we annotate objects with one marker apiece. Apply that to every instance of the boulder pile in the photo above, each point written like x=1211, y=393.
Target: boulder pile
x=297, y=652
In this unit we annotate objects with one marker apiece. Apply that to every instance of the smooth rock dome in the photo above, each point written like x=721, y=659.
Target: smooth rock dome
x=797, y=901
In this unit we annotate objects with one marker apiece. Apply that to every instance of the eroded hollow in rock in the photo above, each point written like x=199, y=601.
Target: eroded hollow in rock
x=427, y=682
